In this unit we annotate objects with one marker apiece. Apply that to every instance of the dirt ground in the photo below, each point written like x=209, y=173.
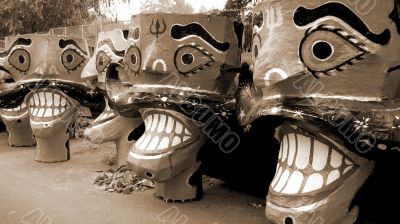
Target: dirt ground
x=46, y=193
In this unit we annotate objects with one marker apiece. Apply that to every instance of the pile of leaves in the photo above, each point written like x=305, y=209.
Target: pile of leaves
x=122, y=180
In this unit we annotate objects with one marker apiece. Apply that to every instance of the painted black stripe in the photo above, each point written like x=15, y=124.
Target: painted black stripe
x=304, y=16
x=179, y=32
x=19, y=41
x=64, y=43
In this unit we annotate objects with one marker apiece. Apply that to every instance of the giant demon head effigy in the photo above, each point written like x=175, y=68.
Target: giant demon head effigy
x=332, y=70
x=179, y=73
x=45, y=71
x=110, y=126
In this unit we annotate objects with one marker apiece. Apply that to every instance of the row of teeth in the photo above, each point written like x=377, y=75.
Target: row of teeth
x=305, y=165
x=107, y=113
x=47, y=104
x=162, y=132
x=19, y=108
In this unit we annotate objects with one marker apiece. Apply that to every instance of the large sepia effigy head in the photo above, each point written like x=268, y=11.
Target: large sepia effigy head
x=177, y=67
x=110, y=125
x=45, y=73
x=331, y=70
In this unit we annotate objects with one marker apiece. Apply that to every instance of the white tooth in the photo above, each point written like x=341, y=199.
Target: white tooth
x=154, y=123
x=36, y=98
x=62, y=110
x=348, y=162
x=31, y=110
x=34, y=112
x=170, y=125
x=153, y=143
x=336, y=159
x=280, y=152
x=282, y=181
x=41, y=112
x=277, y=176
x=303, y=151
x=161, y=124
x=314, y=182
x=149, y=122
x=347, y=169
x=140, y=140
x=178, y=128
x=320, y=156
x=49, y=99
x=23, y=105
x=332, y=176
x=63, y=101
x=294, y=184
x=48, y=113
x=56, y=100
x=292, y=148
x=31, y=101
x=42, y=98
x=187, y=132
x=185, y=138
x=145, y=142
x=164, y=143
x=285, y=147
x=56, y=111
x=176, y=141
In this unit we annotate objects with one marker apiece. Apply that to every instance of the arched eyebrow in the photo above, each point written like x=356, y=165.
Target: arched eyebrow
x=303, y=17
x=195, y=29
x=17, y=42
x=64, y=43
x=109, y=43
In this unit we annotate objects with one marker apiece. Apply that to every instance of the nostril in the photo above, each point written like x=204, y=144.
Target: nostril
x=112, y=72
x=149, y=174
x=289, y=220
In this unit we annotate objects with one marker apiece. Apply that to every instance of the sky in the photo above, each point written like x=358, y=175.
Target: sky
x=125, y=10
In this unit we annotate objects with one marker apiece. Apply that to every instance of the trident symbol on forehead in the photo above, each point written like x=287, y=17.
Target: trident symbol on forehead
x=155, y=28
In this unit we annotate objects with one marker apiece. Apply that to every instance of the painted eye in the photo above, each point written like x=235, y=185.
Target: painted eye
x=326, y=50
x=190, y=58
x=133, y=59
x=71, y=59
x=20, y=59
x=102, y=61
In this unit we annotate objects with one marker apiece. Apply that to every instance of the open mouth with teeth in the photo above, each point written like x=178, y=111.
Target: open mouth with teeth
x=309, y=167
x=165, y=131
x=48, y=104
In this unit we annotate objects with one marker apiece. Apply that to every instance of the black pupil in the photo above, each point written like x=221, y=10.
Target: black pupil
x=288, y=220
x=133, y=58
x=21, y=59
x=322, y=50
x=70, y=58
x=187, y=59
x=255, y=51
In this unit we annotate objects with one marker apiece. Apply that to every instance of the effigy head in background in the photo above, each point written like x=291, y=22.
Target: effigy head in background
x=110, y=126
x=16, y=120
x=45, y=71
x=331, y=69
x=179, y=72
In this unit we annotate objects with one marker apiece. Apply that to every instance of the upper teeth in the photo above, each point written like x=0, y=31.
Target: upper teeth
x=306, y=165
x=162, y=132
x=107, y=113
x=47, y=104
x=19, y=108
